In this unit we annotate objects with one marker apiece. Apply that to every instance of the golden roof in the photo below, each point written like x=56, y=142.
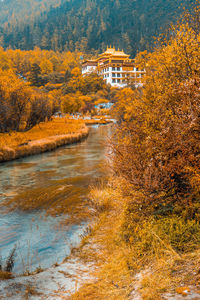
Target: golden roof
x=112, y=52
x=109, y=51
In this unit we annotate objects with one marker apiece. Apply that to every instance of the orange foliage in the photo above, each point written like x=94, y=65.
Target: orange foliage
x=157, y=144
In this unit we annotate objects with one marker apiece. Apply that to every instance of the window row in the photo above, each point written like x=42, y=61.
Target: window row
x=123, y=81
x=116, y=80
x=116, y=69
x=132, y=75
x=116, y=75
x=105, y=70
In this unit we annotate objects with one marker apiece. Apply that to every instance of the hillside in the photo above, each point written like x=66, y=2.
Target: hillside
x=21, y=11
x=85, y=24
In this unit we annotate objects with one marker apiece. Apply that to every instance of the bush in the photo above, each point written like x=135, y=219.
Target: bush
x=154, y=235
x=156, y=146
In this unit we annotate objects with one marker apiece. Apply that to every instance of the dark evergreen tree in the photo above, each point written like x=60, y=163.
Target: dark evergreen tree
x=35, y=75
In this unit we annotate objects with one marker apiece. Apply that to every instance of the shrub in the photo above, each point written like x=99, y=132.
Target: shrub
x=158, y=235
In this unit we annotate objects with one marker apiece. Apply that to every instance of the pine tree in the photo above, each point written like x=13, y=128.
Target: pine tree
x=35, y=77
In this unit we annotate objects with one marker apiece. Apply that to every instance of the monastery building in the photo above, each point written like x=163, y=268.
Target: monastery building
x=115, y=67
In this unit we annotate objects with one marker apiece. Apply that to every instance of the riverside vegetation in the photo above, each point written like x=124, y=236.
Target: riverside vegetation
x=146, y=239
x=36, y=85
x=43, y=137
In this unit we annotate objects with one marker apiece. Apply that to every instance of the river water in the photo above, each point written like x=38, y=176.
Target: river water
x=42, y=240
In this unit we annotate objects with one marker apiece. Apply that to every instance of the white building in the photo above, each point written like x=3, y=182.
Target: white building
x=116, y=68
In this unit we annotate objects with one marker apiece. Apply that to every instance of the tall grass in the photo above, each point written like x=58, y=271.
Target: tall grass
x=41, y=138
x=58, y=126
x=137, y=256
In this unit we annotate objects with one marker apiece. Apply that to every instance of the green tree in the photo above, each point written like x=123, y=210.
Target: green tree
x=35, y=75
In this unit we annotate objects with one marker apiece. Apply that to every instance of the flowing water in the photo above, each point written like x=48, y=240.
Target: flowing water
x=42, y=240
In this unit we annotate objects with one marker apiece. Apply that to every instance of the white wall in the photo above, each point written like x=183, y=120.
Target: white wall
x=88, y=69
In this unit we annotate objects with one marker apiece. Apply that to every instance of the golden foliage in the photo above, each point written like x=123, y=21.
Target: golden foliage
x=147, y=234
x=157, y=143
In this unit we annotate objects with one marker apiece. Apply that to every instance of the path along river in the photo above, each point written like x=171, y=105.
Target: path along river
x=43, y=240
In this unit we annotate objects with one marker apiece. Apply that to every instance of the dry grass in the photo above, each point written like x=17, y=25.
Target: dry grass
x=97, y=121
x=58, y=126
x=5, y=275
x=31, y=291
x=171, y=275
x=129, y=268
x=112, y=278
x=41, y=138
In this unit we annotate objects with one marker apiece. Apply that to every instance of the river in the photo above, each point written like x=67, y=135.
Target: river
x=40, y=239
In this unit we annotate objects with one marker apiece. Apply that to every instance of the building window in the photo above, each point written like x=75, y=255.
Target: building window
x=118, y=80
x=113, y=81
x=118, y=75
x=107, y=69
x=118, y=68
x=113, y=75
x=113, y=68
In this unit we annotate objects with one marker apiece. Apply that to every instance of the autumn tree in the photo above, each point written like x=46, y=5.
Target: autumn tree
x=40, y=110
x=157, y=142
x=21, y=107
x=72, y=103
x=14, y=101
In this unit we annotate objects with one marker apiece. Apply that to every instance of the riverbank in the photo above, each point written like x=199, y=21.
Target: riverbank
x=106, y=266
x=44, y=137
x=58, y=282
x=63, y=187
x=101, y=121
x=137, y=259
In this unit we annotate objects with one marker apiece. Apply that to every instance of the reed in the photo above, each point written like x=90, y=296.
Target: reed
x=6, y=271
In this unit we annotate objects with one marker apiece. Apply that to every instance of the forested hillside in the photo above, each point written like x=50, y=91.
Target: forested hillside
x=12, y=11
x=86, y=24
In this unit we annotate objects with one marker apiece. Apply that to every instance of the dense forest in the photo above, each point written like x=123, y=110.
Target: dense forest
x=36, y=84
x=22, y=11
x=84, y=25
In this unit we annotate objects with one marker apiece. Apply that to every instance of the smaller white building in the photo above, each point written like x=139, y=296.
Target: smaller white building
x=89, y=66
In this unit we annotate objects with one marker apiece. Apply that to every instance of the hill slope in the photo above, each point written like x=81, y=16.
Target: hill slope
x=22, y=10
x=87, y=24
